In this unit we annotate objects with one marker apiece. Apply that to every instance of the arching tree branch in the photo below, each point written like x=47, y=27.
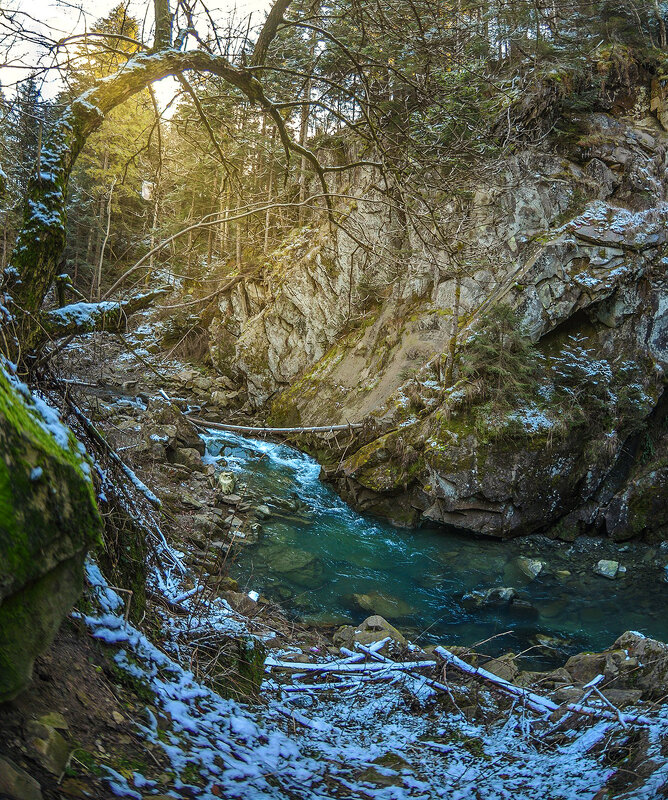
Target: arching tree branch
x=268, y=32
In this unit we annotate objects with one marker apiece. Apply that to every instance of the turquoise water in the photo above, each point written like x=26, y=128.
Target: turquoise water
x=315, y=553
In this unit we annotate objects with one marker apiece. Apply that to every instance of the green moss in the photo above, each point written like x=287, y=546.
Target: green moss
x=285, y=409
x=249, y=668
x=32, y=509
x=29, y=620
x=48, y=519
x=241, y=673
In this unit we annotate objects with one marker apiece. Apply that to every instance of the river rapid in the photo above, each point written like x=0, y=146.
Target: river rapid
x=327, y=564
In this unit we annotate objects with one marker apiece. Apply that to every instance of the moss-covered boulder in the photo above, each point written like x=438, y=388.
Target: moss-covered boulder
x=48, y=520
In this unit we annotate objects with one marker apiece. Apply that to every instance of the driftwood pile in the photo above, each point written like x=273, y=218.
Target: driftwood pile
x=366, y=664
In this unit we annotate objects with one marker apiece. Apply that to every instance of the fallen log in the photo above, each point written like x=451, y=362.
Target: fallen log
x=223, y=426
x=107, y=315
x=338, y=667
x=540, y=704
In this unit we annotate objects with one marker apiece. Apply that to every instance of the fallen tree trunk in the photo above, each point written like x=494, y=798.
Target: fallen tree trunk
x=223, y=426
x=107, y=315
x=535, y=701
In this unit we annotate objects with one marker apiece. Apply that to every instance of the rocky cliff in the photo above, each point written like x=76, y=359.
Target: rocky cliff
x=389, y=321
x=48, y=520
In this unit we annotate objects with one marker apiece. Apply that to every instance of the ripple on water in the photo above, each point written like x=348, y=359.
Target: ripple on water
x=322, y=560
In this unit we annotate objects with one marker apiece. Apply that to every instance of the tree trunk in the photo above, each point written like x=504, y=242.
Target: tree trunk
x=100, y=217
x=454, y=334
x=224, y=207
x=267, y=216
x=41, y=239
x=104, y=243
x=237, y=226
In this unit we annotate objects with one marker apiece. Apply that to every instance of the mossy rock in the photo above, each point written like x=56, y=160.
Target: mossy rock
x=48, y=520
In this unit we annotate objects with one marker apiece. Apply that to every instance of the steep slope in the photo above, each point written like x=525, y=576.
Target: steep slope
x=570, y=236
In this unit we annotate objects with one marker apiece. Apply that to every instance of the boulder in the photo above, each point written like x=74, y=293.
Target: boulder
x=202, y=383
x=187, y=457
x=48, y=520
x=226, y=483
x=48, y=746
x=373, y=629
x=230, y=499
x=221, y=399
x=16, y=784
x=504, y=667
x=240, y=602
x=166, y=415
x=621, y=698
x=584, y=667
x=651, y=656
x=634, y=662
x=544, y=680
x=162, y=435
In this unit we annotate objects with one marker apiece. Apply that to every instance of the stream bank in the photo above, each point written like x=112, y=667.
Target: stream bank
x=253, y=516
x=373, y=740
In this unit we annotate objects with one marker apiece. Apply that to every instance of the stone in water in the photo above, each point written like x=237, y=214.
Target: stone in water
x=606, y=568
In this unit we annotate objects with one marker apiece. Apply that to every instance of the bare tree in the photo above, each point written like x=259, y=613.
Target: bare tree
x=41, y=240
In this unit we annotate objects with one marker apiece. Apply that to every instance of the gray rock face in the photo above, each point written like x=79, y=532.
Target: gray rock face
x=576, y=244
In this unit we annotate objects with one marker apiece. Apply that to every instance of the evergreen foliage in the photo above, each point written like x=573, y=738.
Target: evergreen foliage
x=501, y=358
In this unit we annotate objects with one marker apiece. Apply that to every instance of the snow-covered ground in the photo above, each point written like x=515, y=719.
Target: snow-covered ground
x=387, y=740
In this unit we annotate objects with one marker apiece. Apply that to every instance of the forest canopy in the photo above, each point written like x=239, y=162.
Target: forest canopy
x=268, y=123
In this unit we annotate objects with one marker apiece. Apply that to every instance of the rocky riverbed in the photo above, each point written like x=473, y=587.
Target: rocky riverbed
x=219, y=514
x=253, y=517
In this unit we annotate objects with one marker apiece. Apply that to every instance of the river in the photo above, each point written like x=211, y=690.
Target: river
x=327, y=564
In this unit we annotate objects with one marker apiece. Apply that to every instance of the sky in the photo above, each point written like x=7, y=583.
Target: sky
x=60, y=18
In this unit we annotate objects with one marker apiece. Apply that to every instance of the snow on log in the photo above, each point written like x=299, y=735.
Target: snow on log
x=540, y=704
x=108, y=315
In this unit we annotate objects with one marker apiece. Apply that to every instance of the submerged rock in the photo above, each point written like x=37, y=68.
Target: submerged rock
x=529, y=567
x=326, y=619
x=298, y=566
x=607, y=569
x=187, y=457
x=523, y=570
x=502, y=597
x=383, y=604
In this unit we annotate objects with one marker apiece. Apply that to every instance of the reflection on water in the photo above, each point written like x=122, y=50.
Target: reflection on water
x=326, y=563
